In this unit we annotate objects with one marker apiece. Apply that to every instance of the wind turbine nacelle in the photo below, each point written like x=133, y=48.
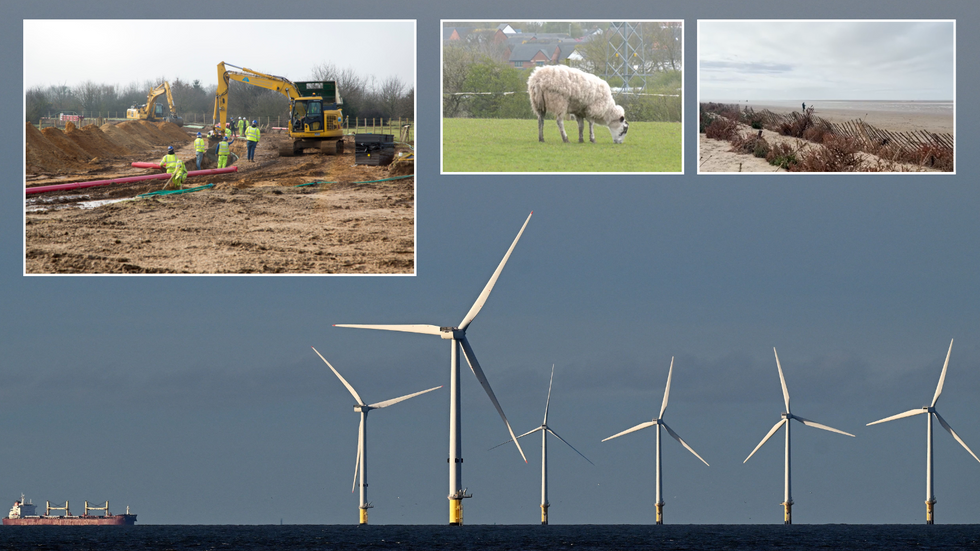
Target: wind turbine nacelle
x=450, y=333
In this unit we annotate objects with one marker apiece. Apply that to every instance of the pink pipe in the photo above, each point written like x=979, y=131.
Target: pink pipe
x=79, y=185
x=147, y=165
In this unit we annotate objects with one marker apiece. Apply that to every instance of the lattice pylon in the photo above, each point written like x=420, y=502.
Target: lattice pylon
x=625, y=55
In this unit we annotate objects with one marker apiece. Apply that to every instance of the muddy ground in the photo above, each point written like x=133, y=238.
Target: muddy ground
x=253, y=221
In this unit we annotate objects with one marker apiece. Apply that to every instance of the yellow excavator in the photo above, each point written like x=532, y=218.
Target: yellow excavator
x=315, y=117
x=153, y=111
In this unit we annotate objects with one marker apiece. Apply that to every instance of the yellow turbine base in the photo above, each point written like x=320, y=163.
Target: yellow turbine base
x=544, y=514
x=787, y=512
x=364, y=516
x=456, y=512
x=930, y=509
x=660, y=513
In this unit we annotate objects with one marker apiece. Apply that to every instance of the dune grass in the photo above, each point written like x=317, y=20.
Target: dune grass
x=511, y=145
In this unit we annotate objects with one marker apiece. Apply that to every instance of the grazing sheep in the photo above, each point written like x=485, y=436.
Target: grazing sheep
x=566, y=91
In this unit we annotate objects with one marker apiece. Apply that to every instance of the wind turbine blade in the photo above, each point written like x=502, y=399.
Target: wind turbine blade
x=342, y=379
x=908, y=413
x=478, y=371
x=424, y=329
x=683, y=443
x=480, y=300
x=942, y=378
x=782, y=380
x=357, y=462
x=949, y=429
x=548, y=402
x=641, y=426
x=532, y=431
x=663, y=407
x=816, y=425
x=387, y=403
x=555, y=434
x=772, y=431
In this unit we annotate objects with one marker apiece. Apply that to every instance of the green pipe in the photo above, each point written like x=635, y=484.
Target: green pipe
x=176, y=191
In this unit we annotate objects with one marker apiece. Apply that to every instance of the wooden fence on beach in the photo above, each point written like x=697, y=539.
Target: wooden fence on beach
x=871, y=135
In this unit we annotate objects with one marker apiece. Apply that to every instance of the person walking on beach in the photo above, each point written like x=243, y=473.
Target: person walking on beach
x=252, y=135
x=804, y=107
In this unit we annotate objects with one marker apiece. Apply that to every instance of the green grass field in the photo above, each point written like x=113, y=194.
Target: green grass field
x=510, y=145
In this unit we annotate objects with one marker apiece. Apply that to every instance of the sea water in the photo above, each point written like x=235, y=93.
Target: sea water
x=571, y=537
x=938, y=108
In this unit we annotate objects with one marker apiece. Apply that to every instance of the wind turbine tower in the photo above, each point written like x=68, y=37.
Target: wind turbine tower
x=457, y=336
x=545, y=429
x=786, y=418
x=659, y=422
x=930, y=410
x=363, y=409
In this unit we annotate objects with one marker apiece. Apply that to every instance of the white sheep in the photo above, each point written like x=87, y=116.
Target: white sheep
x=566, y=91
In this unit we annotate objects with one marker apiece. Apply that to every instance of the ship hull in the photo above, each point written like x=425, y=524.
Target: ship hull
x=112, y=520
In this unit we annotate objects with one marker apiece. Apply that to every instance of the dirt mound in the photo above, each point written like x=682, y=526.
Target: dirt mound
x=93, y=141
x=65, y=144
x=51, y=150
x=118, y=135
x=173, y=132
x=44, y=156
x=136, y=134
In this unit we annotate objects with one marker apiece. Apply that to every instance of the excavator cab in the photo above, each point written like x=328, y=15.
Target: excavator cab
x=307, y=115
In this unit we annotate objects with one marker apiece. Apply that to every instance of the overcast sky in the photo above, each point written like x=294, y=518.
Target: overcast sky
x=198, y=400
x=826, y=60
x=124, y=51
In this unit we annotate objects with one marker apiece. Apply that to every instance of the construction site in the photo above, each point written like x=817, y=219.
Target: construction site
x=306, y=214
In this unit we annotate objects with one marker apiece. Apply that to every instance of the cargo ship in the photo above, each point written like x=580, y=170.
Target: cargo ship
x=24, y=513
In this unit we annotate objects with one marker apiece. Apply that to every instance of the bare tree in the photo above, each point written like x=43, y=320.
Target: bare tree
x=36, y=103
x=351, y=86
x=389, y=95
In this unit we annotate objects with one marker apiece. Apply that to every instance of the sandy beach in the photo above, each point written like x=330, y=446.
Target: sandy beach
x=896, y=117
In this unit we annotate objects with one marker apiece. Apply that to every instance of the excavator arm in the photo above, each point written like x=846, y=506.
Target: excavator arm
x=155, y=93
x=271, y=82
x=148, y=111
x=170, y=100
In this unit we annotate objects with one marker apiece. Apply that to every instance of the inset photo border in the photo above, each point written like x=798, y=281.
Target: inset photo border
x=562, y=96
x=819, y=96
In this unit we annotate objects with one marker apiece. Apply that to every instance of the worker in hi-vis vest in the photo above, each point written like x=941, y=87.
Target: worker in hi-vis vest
x=200, y=148
x=169, y=160
x=222, y=151
x=178, y=176
x=252, y=135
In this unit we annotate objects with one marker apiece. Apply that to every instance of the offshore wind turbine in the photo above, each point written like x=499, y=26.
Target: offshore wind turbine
x=545, y=429
x=930, y=411
x=363, y=409
x=659, y=422
x=786, y=418
x=457, y=336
